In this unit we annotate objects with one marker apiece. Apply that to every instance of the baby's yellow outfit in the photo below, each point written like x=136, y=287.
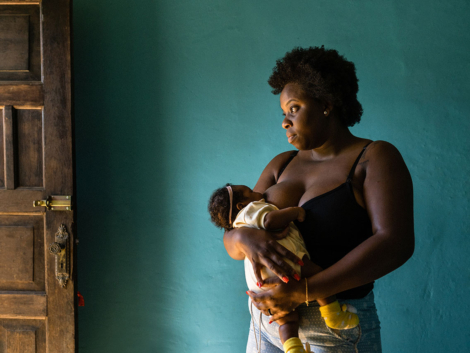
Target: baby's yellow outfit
x=339, y=317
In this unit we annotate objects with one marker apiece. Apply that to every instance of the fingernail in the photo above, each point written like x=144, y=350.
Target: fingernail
x=285, y=279
x=247, y=293
x=300, y=262
x=259, y=284
x=270, y=322
x=297, y=277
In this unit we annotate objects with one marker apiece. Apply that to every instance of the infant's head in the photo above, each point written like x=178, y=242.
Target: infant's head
x=219, y=203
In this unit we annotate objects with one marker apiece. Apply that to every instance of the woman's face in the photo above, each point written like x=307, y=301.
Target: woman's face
x=304, y=118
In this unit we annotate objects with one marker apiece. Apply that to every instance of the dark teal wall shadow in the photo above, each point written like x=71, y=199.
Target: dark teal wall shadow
x=171, y=102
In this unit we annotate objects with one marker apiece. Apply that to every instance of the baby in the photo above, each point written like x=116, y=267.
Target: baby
x=248, y=209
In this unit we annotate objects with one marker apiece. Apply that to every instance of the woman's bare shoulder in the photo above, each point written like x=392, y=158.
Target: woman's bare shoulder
x=381, y=151
x=385, y=165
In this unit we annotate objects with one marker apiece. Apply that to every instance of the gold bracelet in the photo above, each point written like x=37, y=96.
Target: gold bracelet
x=306, y=291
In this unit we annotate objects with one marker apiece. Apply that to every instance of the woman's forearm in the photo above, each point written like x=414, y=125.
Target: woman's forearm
x=374, y=258
x=262, y=249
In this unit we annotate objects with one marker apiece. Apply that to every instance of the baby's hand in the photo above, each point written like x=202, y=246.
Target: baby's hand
x=301, y=216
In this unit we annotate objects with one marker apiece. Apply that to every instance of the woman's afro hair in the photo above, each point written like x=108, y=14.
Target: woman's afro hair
x=324, y=75
x=219, y=206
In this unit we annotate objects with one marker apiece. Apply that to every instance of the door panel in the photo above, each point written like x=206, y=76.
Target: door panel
x=22, y=336
x=22, y=129
x=22, y=265
x=29, y=132
x=37, y=313
x=20, y=43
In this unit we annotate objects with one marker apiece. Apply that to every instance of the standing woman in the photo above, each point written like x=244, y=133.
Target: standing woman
x=358, y=198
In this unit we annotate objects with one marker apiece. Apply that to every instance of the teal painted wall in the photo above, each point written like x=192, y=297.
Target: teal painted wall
x=171, y=101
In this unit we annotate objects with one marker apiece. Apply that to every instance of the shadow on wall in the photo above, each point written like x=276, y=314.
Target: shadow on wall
x=122, y=186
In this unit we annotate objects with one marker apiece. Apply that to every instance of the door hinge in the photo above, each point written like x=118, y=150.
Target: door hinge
x=55, y=203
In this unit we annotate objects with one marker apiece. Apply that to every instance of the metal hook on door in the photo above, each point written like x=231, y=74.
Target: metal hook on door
x=55, y=203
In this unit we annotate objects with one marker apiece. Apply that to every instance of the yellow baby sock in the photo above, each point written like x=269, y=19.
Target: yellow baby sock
x=337, y=318
x=293, y=345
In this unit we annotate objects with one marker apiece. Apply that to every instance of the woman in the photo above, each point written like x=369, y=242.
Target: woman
x=358, y=199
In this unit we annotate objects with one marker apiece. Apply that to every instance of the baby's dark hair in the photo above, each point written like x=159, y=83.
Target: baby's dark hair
x=323, y=74
x=219, y=206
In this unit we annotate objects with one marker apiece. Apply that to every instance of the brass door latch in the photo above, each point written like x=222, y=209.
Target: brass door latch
x=60, y=248
x=55, y=203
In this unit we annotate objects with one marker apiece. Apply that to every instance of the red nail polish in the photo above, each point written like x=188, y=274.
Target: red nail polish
x=259, y=284
x=285, y=279
x=247, y=293
x=297, y=277
x=300, y=262
x=270, y=322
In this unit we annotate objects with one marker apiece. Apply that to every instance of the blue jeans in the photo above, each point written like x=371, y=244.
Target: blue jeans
x=364, y=339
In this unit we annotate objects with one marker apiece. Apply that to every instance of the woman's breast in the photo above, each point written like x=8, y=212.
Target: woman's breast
x=285, y=194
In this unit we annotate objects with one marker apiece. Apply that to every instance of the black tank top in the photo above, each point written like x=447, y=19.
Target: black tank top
x=334, y=225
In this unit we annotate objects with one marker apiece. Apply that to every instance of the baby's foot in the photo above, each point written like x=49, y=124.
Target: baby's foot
x=339, y=318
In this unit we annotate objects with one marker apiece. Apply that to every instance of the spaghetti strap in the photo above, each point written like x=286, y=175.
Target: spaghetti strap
x=291, y=157
x=353, y=169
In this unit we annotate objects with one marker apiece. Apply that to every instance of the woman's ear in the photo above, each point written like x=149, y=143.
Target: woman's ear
x=328, y=107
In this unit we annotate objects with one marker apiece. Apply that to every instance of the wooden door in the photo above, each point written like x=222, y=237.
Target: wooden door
x=37, y=314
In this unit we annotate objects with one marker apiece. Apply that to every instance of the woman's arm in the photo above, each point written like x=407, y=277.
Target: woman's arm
x=262, y=249
x=260, y=246
x=388, y=194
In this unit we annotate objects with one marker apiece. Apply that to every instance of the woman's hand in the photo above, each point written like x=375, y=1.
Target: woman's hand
x=281, y=299
x=262, y=249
